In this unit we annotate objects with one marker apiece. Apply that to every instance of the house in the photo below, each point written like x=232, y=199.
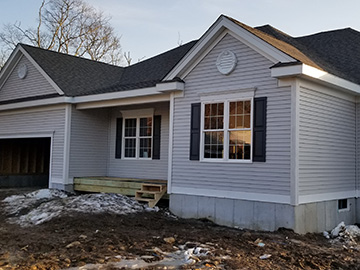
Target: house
x=249, y=126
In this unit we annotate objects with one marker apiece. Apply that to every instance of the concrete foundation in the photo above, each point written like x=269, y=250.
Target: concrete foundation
x=312, y=217
x=68, y=187
x=323, y=216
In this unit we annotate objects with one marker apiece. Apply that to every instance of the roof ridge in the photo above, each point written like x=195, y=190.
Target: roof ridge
x=328, y=32
x=281, y=45
x=273, y=28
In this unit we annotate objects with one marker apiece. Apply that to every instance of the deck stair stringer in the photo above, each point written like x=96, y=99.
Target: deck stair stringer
x=150, y=193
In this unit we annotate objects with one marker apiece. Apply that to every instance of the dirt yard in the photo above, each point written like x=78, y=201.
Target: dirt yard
x=158, y=240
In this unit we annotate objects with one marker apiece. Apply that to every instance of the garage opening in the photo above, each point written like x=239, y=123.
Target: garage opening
x=24, y=162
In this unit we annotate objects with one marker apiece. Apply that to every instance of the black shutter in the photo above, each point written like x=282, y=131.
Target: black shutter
x=118, y=142
x=259, y=136
x=156, y=137
x=195, y=131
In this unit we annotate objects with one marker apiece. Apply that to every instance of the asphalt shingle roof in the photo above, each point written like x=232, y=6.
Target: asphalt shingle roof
x=74, y=75
x=79, y=76
x=337, y=52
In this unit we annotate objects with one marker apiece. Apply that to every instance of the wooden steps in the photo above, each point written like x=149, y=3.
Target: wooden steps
x=150, y=193
x=124, y=186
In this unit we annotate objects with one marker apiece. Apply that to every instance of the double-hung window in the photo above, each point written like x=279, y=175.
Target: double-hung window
x=137, y=137
x=227, y=130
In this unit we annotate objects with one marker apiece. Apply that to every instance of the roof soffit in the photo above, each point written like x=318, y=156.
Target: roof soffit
x=214, y=34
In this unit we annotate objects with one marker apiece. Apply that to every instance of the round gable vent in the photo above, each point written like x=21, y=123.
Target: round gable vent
x=226, y=62
x=22, y=71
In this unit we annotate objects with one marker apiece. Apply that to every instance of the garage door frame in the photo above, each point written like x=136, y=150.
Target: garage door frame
x=49, y=134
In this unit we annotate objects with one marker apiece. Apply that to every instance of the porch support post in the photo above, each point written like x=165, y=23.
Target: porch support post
x=67, y=135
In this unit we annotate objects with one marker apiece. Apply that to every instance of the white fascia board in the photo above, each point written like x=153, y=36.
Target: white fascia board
x=303, y=70
x=208, y=37
x=257, y=44
x=9, y=66
x=170, y=86
x=158, y=93
x=287, y=71
x=117, y=95
x=42, y=72
x=218, y=30
x=35, y=103
x=160, y=88
x=123, y=101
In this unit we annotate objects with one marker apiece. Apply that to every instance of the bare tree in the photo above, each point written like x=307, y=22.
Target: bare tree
x=128, y=58
x=68, y=26
x=180, y=41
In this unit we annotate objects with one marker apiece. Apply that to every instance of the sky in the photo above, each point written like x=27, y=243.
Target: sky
x=150, y=27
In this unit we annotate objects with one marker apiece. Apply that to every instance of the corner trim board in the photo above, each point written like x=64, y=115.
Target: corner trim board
x=171, y=138
x=67, y=132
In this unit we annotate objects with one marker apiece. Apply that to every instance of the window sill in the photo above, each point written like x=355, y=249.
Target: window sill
x=124, y=158
x=226, y=161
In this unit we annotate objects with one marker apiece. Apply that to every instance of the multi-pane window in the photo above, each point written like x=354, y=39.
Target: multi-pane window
x=145, y=137
x=130, y=138
x=214, y=130
x=227, y=129
x=240, y=130
x=138, y=137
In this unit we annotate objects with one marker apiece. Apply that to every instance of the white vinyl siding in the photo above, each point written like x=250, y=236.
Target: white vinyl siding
x=89, y=142
x=140, y=168
x=252, y=72
x=326, y=143
x=25, y=122
x=34, y=84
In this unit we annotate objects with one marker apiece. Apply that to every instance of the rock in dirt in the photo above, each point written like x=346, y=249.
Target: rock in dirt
x=265, y=256
x=73, y=244
x=169, y=240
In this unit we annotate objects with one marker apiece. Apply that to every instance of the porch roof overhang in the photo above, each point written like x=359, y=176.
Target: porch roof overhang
x=159, y=93
x=298, y=69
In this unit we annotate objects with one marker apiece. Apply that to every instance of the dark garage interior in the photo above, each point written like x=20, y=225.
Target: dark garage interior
x=24, y=162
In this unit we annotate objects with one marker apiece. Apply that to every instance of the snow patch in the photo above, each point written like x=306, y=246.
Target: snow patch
x=38, y=194
x=43, y=205
x=184, y=256
x=346, y=235
x=342, y=230
x=16, y=205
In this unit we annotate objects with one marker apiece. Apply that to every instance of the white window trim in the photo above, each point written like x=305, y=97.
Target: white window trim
x=226, y=129
x=347, y=206
x=137, y=114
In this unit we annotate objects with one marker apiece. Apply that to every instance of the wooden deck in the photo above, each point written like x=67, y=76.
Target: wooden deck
x=124, y=186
